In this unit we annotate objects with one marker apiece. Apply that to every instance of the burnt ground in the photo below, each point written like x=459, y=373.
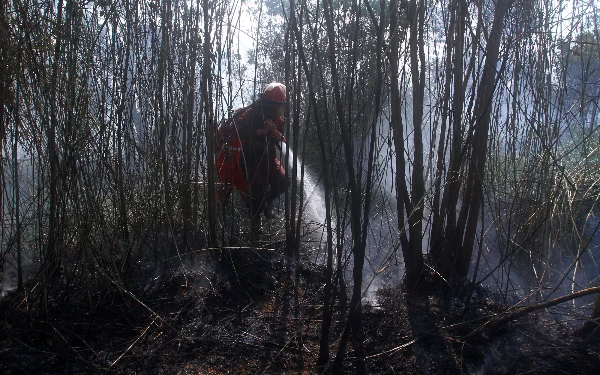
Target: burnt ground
x=242, y=311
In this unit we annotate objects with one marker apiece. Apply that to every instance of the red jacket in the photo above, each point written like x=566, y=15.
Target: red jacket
x=242, y=141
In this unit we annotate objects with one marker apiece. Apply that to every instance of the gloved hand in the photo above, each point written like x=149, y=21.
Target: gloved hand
x=279, y=122
x=276, y=135
x=272, y=132
x=269, y=126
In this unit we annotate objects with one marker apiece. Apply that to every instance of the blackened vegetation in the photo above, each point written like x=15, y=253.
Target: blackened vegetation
x=449, y=337
x=241, y=311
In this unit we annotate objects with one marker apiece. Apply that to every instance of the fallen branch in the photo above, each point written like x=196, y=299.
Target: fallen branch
x=506, y=317
x=543, y=305
x=222, y=248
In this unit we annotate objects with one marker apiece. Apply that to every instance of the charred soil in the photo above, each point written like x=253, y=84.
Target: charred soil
x=251, y=311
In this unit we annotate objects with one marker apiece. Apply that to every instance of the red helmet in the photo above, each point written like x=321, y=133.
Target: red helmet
x=275, y=92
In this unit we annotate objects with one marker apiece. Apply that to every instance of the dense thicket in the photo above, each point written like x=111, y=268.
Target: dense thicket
x=464, y=134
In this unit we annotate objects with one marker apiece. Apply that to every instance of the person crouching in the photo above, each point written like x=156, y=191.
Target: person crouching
x=260, y=128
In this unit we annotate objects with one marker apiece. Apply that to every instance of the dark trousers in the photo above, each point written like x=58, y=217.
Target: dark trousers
x=265, y=176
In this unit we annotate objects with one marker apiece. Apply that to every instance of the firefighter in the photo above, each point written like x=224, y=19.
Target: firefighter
x=259, y=129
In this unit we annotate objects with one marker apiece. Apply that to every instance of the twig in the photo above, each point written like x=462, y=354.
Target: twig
x=80, y=339
x=132, y=344
x=231, y=248
x=390, y=351
x=142, y=304
x=73, y=349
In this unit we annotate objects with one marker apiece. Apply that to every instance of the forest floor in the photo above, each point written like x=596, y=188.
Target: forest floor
x=241, y=311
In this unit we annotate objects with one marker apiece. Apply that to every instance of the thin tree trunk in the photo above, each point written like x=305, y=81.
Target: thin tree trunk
x=17, y=190
x=354, y=321
x=123, y=217
x=411, y=264
x=52, y=257
x=188, y=130
x=437, y=222
x=161, y=115
x=355, y=197
x=5, y=79
x=210, y=130
x=323, y=358
x=453, y=176
x=482, y=115
x=417, y=60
